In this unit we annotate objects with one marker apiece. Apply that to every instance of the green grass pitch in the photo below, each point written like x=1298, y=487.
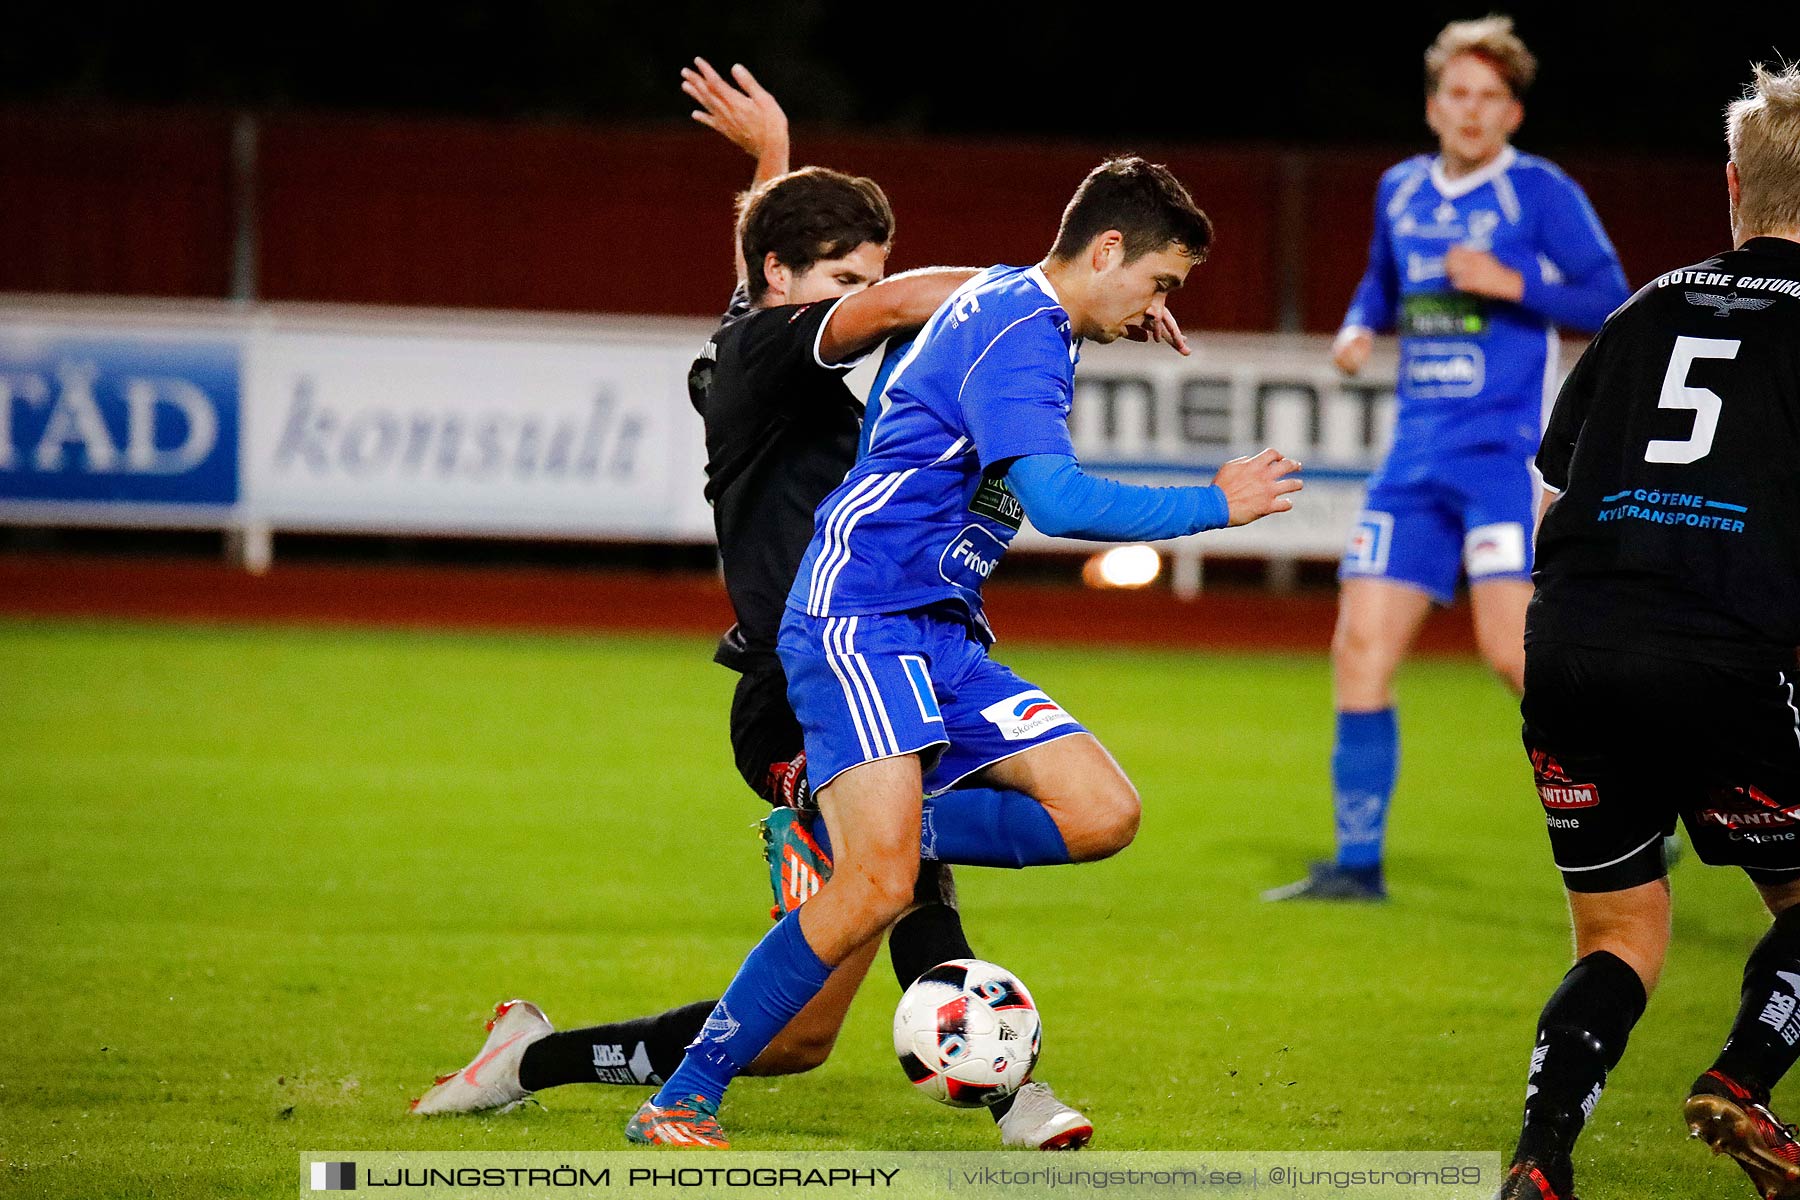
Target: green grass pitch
x=258, y=886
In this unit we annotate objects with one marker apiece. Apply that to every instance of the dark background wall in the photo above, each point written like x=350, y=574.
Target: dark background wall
x=537, y=155
x=561, y=217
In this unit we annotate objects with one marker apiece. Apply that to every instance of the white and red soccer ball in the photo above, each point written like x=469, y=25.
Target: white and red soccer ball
x=967, y=1033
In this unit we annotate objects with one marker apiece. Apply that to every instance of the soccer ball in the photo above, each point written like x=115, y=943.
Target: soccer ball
x=967, y=1032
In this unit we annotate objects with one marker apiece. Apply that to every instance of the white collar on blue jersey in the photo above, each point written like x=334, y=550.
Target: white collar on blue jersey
x=1450, y=188
x=1037, y=276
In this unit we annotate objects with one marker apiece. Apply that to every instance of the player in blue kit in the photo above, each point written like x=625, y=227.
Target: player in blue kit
x=1479, y=254
x=781, y=414
x=884, y=641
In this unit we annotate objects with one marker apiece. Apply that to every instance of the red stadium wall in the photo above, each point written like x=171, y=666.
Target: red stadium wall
x=546, y=217
x=116, y=205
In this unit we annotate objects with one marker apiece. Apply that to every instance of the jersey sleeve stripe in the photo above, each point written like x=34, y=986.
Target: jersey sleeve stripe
x=1509, y=199
x=819, y=339
x=1404, y=193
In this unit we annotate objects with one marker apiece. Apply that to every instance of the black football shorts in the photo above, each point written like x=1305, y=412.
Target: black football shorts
x=1623, y=744
x=765, y=735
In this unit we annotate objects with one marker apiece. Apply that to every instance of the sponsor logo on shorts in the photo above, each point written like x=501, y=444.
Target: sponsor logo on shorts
x=1748, y=807
x=1736, y=819
x=1024, y=716
x=1561, y=796
x=1492, y=549
x=1556, y=788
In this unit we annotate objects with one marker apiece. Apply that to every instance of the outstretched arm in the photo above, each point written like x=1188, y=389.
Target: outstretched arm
x=1064, y=501
x=900, y=302
x=747, y=115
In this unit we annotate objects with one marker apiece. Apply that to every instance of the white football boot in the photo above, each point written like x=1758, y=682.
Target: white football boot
x=492, y=1079
x=1039, y=1121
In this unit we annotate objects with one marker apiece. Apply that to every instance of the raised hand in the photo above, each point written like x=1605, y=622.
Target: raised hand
x=746, y=114
x=1258, y=485
x=1479, y=273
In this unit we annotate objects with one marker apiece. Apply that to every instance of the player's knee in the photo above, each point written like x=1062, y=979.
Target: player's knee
x=1108, y=821
x=1508, y=663
x=881, y=887
x=1505, y=656
x=1357, y=651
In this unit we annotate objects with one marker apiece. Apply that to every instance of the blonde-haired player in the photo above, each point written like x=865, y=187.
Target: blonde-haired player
x=1479, y=254
x=1660, y=667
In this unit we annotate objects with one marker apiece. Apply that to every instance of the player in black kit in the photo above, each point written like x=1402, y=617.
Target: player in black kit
x=1660, y=678
x=782, y=426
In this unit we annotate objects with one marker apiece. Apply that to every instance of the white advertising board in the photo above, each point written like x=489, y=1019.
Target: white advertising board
x=406, y=421
x=1147, y=415
x=460, y=431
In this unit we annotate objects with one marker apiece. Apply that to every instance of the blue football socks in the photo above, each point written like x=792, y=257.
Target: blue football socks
x=778, y=979
x=988, y=827
x=981, y=827
x=1364, y=764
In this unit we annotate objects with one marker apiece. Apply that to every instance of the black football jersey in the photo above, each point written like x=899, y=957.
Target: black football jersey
x=781, y=432
x=1676, y=444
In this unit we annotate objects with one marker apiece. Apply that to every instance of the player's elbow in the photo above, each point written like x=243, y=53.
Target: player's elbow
x=1054, y=524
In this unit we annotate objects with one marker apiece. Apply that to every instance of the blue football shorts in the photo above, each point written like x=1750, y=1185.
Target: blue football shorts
x=873, y=687
x=1469, y=512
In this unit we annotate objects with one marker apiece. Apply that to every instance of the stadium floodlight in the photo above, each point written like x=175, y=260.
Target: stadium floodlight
x=1132, y=566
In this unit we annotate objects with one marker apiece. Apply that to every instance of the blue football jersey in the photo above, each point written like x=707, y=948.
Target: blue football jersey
x=1477, y=373
x=925, y=515
x=893, y=353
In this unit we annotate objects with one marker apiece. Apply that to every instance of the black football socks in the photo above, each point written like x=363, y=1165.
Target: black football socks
x=1765, y=1038
x=931, y=934
x=1580, y=1037
x=644, y=1051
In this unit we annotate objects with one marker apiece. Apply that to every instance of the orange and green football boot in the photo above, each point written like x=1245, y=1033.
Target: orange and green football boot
x=691, y=1122
x=798, y=866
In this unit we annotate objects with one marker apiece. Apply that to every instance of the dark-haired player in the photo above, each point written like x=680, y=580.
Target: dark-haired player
x=1660, y=658
x=884, y=642
x=781, y=430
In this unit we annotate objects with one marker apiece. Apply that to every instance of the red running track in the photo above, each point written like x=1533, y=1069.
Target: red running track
x=448, y=597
